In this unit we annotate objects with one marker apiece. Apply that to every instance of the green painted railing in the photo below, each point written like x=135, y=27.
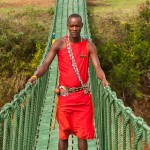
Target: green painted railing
x=116, y=127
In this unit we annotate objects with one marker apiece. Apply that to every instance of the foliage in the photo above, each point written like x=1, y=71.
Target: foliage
x=23, y=37
x=36, y=59
x=124, y=52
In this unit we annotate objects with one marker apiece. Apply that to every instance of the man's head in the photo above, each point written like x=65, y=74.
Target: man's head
x=74, y=25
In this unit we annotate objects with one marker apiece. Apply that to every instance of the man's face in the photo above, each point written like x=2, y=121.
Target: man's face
x=74, y=25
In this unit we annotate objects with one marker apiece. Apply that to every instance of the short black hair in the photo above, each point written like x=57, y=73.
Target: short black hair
x=74, y=16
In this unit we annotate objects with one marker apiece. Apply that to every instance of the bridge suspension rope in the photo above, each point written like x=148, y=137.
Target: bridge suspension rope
x=25, y=123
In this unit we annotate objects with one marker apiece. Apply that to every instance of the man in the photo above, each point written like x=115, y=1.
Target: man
x=75, y=109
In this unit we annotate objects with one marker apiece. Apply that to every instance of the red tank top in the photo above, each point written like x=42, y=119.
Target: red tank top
x=67, y=76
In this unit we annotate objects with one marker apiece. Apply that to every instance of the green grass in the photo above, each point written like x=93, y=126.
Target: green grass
x=28, y=11
x=116, y=7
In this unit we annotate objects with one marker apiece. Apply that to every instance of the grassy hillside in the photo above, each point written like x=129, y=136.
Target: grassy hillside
x=120, y=8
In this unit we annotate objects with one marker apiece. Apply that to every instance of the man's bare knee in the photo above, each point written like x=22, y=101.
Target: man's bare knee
x=82, y=144
x=63, y=144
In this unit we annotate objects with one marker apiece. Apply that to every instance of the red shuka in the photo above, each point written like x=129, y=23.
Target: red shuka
x=75, y=111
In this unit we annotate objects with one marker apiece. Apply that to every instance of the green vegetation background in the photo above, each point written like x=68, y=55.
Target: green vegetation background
x=24, y=32
x=122, y=37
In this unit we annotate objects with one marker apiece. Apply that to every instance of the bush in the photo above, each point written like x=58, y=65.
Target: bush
x=124, y=52
x=22, y=43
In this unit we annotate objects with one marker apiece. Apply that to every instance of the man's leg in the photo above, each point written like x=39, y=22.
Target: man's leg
x=63, y=145
x=82, y=144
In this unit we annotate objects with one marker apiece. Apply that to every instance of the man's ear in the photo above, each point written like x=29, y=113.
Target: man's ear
x=82, y=24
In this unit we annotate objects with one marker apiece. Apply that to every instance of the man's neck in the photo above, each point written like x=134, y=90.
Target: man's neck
x=75, y=40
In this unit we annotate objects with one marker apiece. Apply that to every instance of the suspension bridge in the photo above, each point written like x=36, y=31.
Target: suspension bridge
x=25, y=123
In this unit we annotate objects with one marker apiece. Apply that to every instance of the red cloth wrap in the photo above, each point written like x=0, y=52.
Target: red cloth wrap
x=75, y=111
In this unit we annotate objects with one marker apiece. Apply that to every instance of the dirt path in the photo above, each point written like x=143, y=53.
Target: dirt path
x=46, y=3
x=18, y=3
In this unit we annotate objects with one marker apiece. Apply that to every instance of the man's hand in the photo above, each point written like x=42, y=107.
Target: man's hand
x=32, y=80
x=105, y=82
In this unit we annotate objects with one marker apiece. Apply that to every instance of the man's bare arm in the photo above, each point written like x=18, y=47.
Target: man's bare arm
x=96, y=63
